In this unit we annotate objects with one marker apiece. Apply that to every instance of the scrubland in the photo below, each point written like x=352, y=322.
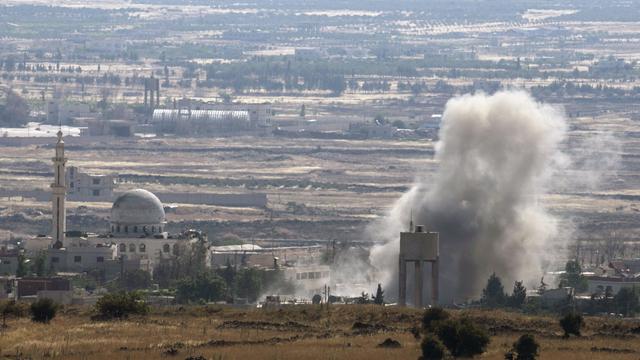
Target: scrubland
x=302, y=332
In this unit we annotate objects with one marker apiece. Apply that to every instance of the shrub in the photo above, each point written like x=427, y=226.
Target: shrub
x=432, y=317
x=43, y=310
x=526, y=348
x=120, y=305
x=432, y=349
x=12, y=308
x=571, y=324
x=203, y=287
x=462, y=338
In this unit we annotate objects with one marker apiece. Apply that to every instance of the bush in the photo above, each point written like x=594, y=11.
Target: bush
x=43, y=310
x=526, y=348
x=203, y=287
x=571, y=324
x=432, y=317
x=432, y=349
x=120, y=305
x=462, y=338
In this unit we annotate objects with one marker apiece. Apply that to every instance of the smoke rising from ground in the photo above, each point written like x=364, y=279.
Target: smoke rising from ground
x=495, y=156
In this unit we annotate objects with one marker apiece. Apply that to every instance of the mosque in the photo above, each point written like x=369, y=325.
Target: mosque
x=136, y=237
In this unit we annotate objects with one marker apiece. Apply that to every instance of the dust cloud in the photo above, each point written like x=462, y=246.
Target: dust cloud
x=496, y=155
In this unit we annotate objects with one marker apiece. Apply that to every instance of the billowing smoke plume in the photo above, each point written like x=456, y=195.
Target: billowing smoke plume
x=495, y=156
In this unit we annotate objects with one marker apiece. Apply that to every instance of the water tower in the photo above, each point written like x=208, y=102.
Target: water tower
x=418, y=246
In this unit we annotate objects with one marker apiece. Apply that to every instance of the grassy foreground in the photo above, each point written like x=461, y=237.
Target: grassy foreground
x=304, y=332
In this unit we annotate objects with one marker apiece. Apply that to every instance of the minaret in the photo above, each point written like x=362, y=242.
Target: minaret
x=58, y=194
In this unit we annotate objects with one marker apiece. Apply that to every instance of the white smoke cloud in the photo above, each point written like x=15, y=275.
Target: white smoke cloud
x=496, y=154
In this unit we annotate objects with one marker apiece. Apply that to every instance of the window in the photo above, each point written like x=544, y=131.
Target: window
x=135, y=229
x=144, y=229
x=318, y=275
x=304, y=276
x=132, y=247
x=153, y=229
x=166, y=248
x=143, y=247
x=96, y=192
x=100, y=259
x=6, y=262
x=113, y=228
x=123, y=248
x=77, y=259
x=311, y=275
x=96, y=181
x=71, y=184
x=118, y=228
x=55, y=260
x=176, y=251
x=126, y=228
x=297, y=276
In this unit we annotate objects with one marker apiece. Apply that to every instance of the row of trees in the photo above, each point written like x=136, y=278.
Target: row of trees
x=626, y=301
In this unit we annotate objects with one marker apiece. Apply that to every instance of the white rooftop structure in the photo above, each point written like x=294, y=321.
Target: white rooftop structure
x=137, y=212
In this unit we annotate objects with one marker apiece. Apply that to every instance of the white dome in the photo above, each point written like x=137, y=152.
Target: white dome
x=137, y=207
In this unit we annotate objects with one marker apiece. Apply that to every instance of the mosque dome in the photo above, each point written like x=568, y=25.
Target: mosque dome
x=137, y=207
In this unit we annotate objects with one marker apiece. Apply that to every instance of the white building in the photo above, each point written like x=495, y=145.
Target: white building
x=136, y=233
x=89, y=187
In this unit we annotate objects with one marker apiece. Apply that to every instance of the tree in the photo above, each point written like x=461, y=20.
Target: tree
x=571, y=324
x=493, y=294
x=526, y=348
x=379, y=298
x=120, y=305
x=463, y=338
x=10, y=307
x=572, y=277
x=303, y=111
x=249, y=284
x=205, y=286
x=399, y=124
x=363, y=298
x=432, y=349
x=40, y=264
x=43, y=310
x=135, y=279
x=626, y=301
x=22, y=269
x=518, y=296
x=14, y=111
x=433, y=317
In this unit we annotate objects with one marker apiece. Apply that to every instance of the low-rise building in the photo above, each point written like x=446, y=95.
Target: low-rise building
x=84, y=186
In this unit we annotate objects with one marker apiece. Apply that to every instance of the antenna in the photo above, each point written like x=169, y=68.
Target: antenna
x=411, y=222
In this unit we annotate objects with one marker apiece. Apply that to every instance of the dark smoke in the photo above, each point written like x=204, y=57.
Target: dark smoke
x=495, y=156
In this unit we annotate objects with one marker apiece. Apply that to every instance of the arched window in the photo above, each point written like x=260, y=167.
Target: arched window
x=176, y=250
x=142, y=247
x=153, y=229
x=126, y=228
x=113, y=228
x=118, y=228
x=160, y=229
x=166, y=248
x=132, y=247
x=123, y=247
x=135, y=229
x=144, y=229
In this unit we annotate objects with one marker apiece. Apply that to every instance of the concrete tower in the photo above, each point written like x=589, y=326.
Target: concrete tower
x=58, y=195
x=418, y=246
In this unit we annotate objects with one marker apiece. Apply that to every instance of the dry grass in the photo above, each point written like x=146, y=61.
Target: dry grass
x=293, y=333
